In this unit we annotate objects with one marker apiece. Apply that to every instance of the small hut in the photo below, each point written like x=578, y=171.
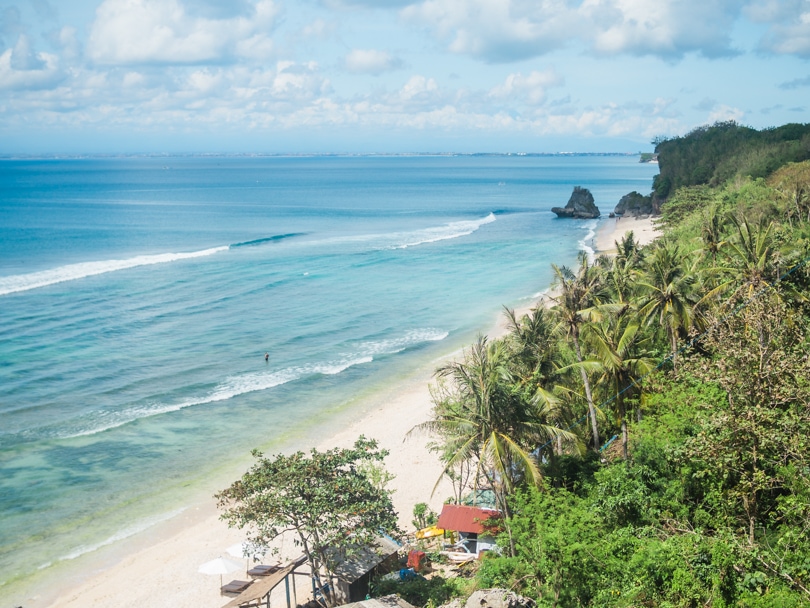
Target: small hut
x=355, y=571
x=470, y=523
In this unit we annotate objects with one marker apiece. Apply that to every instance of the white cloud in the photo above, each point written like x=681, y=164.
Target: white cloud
x=204, y=81
x=319, y=28
x=789, y=21
x=510, y=30
x=531, y=88
x=23, y=57
x=419, y=88
x=667, y=28
x=723, y=113
x=298, y=81
x=370, y=61
x=498, y=30
x=22, y=68
x=133, y=79
x=163, y=31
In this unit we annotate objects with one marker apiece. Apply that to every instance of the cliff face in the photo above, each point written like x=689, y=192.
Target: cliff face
x=580, y=205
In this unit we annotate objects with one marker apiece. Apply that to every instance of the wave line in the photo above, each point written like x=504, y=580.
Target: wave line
x=81, y=270
x=268, y=239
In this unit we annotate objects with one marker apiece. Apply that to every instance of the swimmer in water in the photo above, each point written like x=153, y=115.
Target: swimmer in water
x=266, y=356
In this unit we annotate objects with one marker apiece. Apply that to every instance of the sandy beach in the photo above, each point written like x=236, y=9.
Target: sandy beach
x=161, y=568
x=613, y=229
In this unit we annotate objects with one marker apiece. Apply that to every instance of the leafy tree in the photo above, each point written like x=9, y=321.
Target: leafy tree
x=792, y=183
x=747, y=447
x=423, y=516
x=324, y=498
x=556, y=535
x=714, y=154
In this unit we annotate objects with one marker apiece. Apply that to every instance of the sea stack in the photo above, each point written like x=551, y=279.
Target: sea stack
x=580, y=205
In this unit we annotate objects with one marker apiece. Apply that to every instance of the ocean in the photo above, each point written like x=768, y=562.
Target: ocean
x=140, y=295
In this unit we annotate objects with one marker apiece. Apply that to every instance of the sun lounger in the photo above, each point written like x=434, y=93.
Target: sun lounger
x=263, y=570
x=235, y=586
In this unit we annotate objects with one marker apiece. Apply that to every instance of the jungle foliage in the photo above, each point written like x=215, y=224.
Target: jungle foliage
x=712, y=155
x=647, y=433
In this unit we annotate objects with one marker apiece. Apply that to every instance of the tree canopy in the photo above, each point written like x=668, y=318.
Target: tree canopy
x=695, y=352
x=326, y=499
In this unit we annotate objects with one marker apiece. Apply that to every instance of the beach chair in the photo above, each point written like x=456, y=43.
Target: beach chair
x=263, y=570
x=235, y=587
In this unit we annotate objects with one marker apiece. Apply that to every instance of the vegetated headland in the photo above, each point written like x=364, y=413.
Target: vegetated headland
x=647, y=433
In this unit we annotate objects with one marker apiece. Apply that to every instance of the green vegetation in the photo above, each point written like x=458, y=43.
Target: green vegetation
x=691, y=357
x=321, y=498
x=420, y=591
x=715, y=154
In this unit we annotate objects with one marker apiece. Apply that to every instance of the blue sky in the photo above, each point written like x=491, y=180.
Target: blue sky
x=309, y=76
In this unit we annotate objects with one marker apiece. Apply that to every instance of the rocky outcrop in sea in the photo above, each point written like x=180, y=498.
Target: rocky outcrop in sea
x=580, y=205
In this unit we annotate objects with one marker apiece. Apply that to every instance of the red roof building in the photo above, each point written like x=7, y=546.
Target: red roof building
x=461, y=518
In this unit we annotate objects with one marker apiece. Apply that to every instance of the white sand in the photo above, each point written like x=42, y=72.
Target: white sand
x=613, y=230
x=163, y=571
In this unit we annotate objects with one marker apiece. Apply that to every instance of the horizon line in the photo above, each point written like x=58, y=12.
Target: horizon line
x=88, y=155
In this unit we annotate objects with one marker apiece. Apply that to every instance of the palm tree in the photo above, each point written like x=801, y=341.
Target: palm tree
x=621, y=360
x=620, y=270
x=576, y=296
x=535, y=357
x=482, y=419
x=711, y=233
x=752, y=255
x=668, y=296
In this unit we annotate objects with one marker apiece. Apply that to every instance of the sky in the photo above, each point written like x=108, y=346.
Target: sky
x=393, y=76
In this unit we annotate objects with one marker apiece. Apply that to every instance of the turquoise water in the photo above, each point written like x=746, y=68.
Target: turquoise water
x=139, y=296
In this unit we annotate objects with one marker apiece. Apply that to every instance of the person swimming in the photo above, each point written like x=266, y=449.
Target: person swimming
x=266, y=356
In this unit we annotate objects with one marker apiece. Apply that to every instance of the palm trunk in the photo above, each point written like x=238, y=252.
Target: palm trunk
x=588, y=393
x=623, y=418
x=673, y=340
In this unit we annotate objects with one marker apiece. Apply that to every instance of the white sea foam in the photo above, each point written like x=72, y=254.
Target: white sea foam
x=118, y=536
x=587, y=242
x=422, y=236
x=72, y=272
x=396, y=345
x=452, y=230
x=259, y=381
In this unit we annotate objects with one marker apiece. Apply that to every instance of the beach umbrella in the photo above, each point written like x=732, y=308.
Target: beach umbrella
x=240, y=550
x=220, y=565
x=245, y=549
x=237, y=550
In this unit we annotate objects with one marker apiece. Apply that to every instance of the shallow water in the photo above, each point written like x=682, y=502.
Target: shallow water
x=139, y=296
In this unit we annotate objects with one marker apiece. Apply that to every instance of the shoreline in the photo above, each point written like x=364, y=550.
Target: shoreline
x=164, y=559
x=613, y=229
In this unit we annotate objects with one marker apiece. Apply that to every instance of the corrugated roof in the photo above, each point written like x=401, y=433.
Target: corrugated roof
x=464, y=519
x=364, y=559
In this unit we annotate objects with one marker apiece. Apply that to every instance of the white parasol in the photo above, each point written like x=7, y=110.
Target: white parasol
x=220, y=565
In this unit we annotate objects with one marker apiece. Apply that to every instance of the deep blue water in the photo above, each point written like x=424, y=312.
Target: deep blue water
x=138, y=298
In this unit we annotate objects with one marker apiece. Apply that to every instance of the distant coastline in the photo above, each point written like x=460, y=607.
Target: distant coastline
x=100, y=155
